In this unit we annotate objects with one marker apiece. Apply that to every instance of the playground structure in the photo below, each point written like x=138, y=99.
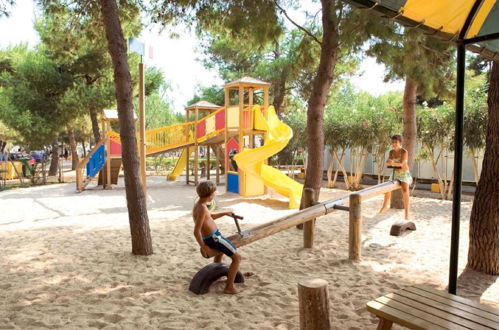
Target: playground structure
x=230, y=131
x=307, y=216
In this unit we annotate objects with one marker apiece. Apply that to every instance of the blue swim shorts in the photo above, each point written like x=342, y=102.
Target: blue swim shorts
x=216, y=241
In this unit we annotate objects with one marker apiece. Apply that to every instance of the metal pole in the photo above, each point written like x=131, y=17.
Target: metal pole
x=458, y=169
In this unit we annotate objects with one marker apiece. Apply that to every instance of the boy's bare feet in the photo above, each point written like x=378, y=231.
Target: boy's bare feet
x=231, y=290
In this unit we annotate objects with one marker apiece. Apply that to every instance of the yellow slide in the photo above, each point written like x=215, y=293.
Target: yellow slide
x=251, y=160
x=179, y=166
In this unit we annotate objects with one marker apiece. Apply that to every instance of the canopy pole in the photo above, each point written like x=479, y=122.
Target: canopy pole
x=458, y=168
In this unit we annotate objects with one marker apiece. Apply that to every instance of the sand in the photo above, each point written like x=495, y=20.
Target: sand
x=66, y=262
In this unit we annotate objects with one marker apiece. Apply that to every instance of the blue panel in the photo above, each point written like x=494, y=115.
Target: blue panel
x=96, y=162
x=233, y=183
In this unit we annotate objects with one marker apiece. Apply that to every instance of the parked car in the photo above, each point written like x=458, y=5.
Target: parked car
x=38, y=155
x=19, y=156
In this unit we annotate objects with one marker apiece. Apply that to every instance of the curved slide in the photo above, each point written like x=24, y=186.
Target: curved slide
x=252, y=160
x=179, y=166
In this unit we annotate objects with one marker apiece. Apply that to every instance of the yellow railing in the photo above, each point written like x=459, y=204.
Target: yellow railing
x=169, y=137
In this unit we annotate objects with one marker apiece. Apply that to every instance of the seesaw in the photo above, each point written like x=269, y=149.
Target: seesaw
x=203, y=279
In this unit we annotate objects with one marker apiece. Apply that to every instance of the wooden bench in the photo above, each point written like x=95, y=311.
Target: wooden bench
x=421, y=307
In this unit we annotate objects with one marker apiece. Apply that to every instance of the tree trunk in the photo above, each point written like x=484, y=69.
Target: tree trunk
x=74, y=152
x=84, y=148
x=441, y=184
x=342, y=167
x=450, y=186
x=136, y=200
x=483, y=253
x=95, y=125
x=318, y=98
x=54, y=162
x=279, y=93
x=330, y=171
x=410, y=128
x=474, y=162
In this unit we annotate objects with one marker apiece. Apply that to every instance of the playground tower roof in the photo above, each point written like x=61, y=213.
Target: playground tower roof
x=112, y=115
x=203, y=105
x=470, y=22
x=247, y=82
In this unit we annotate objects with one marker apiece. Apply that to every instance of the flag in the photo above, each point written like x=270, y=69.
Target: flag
x=151, y=52
x=135, y=46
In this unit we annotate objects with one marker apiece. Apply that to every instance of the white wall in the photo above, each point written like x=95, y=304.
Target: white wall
x=422, y=169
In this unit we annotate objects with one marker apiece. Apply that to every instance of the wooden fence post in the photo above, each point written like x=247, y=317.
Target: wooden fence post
x=313, y=299
x=309, y=226
x=355, y=227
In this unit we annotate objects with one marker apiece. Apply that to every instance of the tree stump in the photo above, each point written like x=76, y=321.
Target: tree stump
x=396, y=200
x=313, y=298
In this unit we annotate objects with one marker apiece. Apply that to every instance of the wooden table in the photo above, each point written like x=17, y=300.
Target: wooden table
x=421, y=307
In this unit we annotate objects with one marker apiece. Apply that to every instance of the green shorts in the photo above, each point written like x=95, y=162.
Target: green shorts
x=404, y=176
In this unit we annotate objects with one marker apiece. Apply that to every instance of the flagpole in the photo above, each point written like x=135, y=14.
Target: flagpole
x=142, y=123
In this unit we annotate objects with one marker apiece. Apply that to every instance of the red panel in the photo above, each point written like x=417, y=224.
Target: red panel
x=201, y=129
x=232, y=146
x=246, y=119
x=115, y=148
x=220, y=120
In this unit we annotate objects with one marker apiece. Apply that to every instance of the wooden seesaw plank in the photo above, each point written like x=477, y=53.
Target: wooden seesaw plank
x=302, y=216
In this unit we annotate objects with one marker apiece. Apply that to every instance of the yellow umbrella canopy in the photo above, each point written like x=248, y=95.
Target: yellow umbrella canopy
x=474, y=23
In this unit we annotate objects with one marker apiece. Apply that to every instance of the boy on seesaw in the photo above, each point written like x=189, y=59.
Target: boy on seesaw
x=209, y=237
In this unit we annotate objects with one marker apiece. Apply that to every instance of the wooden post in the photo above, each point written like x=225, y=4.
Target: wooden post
x=313, y=297
x=226, y=138
x=208, y=164
x=187, y=165
x=187, y=149
x=309, y=226
x=217, y=167
x=108, y=184
x=252, y=115
x=355, y=227
x=196, y=147
x=265, y=114
x=142, y=128
x=265, y=99
x=252, y=119
x=242, y=179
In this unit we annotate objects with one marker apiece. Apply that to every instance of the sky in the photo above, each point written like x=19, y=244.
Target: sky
x=178, y=58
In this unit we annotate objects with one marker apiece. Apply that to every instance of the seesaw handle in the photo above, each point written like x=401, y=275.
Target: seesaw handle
x=237, y=223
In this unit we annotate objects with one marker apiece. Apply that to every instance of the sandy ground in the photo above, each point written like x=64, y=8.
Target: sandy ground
x=66, y=262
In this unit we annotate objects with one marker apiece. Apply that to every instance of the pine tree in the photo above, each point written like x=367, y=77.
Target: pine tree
x=423, y=62
x=483, y=253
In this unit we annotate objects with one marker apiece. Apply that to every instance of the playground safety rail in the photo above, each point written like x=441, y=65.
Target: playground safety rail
x=82, y=182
